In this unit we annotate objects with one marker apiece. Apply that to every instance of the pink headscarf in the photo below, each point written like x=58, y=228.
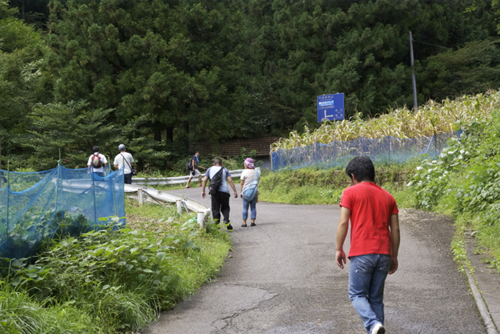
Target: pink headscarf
x=249, y=163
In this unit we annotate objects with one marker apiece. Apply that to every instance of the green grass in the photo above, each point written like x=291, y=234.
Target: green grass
x=485, y=229
x=404, y=196
x=300, y=195
x=317, y=186
x=20, y=313
x=150, y=210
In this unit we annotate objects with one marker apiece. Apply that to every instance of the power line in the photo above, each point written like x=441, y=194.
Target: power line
x=439, y=46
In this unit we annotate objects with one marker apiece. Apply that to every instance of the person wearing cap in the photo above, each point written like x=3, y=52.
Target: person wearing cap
x=124, y=160
x=249, y=178
x=97, y=162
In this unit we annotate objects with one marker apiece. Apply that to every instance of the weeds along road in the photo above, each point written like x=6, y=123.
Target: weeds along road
x=281, y=277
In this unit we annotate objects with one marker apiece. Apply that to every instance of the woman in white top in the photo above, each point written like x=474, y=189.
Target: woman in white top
x=249, y=181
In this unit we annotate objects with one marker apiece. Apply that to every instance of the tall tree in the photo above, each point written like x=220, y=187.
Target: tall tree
x=35, y=12
x=178, y=62
x=360, y=48
x=473, y=69
x=21, y=51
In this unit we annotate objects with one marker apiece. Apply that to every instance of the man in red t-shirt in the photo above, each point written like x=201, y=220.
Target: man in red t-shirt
x=374, y=241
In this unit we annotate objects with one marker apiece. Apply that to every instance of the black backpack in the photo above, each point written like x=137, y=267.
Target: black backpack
x=215, y=182
x=189, y=165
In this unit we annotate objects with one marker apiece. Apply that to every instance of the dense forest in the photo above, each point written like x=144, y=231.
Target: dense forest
x=157, y=75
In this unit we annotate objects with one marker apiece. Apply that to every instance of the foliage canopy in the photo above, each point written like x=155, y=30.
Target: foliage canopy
x=184, y=71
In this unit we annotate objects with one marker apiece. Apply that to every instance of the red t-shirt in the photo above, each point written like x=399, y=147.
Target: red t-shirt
x=371, y=210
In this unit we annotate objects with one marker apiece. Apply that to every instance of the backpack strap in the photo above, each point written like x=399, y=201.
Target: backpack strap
x=126, y=162
x=255, y=180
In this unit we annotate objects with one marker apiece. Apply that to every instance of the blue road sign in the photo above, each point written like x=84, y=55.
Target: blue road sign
x=330, y=107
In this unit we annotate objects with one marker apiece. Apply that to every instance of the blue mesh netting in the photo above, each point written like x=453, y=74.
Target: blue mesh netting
x=36, y=206
x=339, y=153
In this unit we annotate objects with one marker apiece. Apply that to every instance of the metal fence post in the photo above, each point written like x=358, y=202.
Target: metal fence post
x=201, y=218
x=140, y=197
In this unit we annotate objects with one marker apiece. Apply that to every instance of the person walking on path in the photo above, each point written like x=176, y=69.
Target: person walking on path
x=219, y=196
x=249, y=191
x=194, y=169
x=375, y=239
x=124, y=160
x=97, y=162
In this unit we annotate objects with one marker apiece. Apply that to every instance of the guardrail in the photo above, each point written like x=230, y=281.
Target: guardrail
x=154, y=181
x=142, y=194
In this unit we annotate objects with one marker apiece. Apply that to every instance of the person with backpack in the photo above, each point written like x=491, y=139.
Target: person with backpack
x=219, y=191
x=97, y=162
x=191, y=167
x=125, y=160
x=249, y=191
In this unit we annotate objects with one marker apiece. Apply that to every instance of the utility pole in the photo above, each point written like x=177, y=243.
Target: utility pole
x=415, y=105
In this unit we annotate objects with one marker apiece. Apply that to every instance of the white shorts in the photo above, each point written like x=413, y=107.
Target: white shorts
x=195, y=173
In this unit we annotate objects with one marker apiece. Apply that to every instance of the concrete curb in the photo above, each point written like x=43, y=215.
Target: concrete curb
x=484, y=283
x=481, y=305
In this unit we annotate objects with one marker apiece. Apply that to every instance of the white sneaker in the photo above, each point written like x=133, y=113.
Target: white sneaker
x=378, y=329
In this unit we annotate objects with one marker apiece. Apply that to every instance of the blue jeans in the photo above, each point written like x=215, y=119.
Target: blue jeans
x=367, y=274
x=253, y=209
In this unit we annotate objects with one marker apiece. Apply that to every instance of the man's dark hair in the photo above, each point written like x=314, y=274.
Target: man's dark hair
x=362, y=168
x=218, y=161
x=95, y=149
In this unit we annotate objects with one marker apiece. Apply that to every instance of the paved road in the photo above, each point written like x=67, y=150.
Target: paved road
x=281, y=277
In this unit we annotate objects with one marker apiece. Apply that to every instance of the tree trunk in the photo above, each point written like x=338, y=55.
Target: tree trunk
x=170, y=134
x=157, y=132
x=186, y=138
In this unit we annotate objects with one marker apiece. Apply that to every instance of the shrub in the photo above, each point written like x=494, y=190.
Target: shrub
x=124, y=277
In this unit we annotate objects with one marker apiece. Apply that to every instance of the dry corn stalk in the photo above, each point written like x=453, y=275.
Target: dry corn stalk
x=433, y=118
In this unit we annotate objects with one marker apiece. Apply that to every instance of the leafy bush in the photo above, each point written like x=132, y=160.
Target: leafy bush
x=34, y=231
x=466, y=172
x=124, y=277
x=463, y=181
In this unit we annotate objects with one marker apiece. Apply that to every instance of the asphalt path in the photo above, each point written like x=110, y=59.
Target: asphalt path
x=281, y=277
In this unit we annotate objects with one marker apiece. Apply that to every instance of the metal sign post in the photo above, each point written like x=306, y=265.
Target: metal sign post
x=330, y=107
